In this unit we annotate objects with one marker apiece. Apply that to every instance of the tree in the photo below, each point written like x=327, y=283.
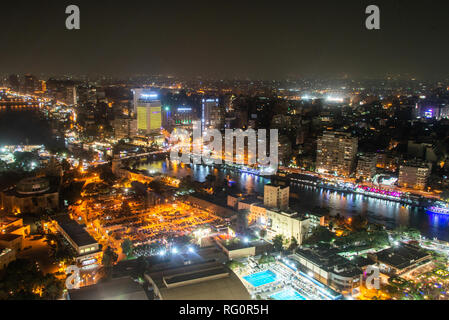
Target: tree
x=278, y=242
x=187, y=184
x=242, y=220
x=210, y=178
x=293, y=244
x=156, y=186
x=23, y=281
x=25, y=160
x=3, y=166
x=358, y=223
x=127, y=247
x=109, y=258
x=106, y=175
x=320, y=234
x=141, y=266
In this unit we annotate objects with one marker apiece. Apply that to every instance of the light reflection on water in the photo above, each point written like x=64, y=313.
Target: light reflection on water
x=390, y=214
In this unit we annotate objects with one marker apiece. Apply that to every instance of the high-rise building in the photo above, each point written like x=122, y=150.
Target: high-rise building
x=288, y=224
x=124, y=127
x=366, y=166
x=212, y=115
x=336, y=153
x=276, y=196
x=14, y=82
x=149, y=111
x=30, y=83
x=183, y=117
x=71, y=97
x=414, y=175
x=42, y=87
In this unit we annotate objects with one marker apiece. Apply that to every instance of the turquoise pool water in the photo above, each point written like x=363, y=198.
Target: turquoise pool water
x=287, y=294
x=261, y=278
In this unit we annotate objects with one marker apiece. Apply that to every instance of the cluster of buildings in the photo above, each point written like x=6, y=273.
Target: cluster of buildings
x=12, y=233
x=337, y=155
x=275, y=215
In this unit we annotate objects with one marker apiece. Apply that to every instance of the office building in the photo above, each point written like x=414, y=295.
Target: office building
x=336, y=153
x=124, y=128
x=276, y=196
x=30, y=83
x=414, y=175
x=149, y=111
x=71, y=97
x=287, y=223
x=212, y=115
x=183, y=117
x=366, y=166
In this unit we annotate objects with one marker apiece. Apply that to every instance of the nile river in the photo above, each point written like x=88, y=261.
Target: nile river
x=388, y=213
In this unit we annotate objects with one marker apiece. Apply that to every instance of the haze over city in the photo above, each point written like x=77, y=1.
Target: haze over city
x=262, y=40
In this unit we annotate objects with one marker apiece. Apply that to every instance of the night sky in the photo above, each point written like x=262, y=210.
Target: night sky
x=226, y=39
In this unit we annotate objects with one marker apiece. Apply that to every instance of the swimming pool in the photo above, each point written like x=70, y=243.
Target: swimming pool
x=287, y=294
x=261, y=278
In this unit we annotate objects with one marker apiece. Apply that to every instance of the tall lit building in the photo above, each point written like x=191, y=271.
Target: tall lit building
x=71, y=97
x=124, y=127
x=336, y=153
x=366, y=166
x=212, y=115
x=414, y=175
x=288, y=224
x=30, y=83
x=183, y=117
x=14, y=82
x=276, y=196
x=149, y=111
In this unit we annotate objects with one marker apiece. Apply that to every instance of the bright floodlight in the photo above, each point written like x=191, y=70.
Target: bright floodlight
x=245, y=240
x=162, y=253
x=174, y=251
x=191, y=250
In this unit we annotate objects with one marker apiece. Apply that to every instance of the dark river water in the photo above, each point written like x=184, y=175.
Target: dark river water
x=306, y=198
x=26, y=126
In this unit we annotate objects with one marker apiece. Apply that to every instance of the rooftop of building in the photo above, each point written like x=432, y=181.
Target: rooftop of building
x=288, y=213
x=208, y=280
x=124, y=288
x=274, y=185
x=401, y=256
x=75, y=231
x=329, y=260
x=251, y=200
